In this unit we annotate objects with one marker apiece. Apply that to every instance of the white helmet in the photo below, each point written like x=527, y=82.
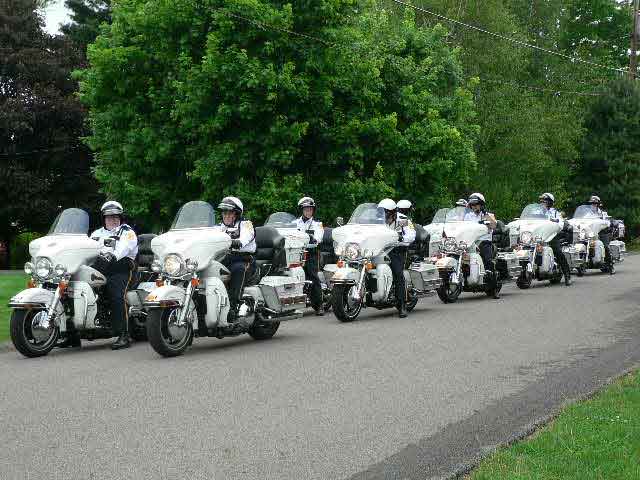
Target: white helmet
x=111, y=208
x=306, y=202
x=387, y=204
x=404, y=205
x=595, y=199
x=231, y=203
x=461, y=203
x=547, y=197
x=475, y=199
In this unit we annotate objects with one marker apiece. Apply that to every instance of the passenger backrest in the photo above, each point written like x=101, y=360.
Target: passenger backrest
x=269, y=249
x=145, y=254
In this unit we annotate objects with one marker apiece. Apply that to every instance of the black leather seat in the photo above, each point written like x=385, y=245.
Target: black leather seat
x=270, y=254
x=145, y=254
x=327, y=254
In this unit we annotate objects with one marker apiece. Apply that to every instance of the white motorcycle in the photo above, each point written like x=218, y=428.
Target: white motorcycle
x=588, y=245
x=434, y=230
x=362, y=277
x=460, y=265
x=531, y=236
x=297, y=247
x=193, y=300
x=66, y=298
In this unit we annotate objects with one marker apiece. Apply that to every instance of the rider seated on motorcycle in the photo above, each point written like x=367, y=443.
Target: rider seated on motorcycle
x=307, y=223
x=461, y=202
x=241, y=257
x=476, y=203
x=117, y=263
x=406, y=235
x=605, y=234
x=546, y=202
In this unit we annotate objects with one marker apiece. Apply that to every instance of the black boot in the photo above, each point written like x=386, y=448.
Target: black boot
x=72, y=341
x=567, y=279
x=123, y=341
x=319, y=311
x=402, y=309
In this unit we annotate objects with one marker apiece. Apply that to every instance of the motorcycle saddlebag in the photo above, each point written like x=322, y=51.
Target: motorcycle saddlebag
x=424, y=276
x=283, y=293
x=508, y=264
x=618, y=250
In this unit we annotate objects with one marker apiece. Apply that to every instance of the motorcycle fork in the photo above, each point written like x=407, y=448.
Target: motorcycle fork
x=361, y=281
x=187, y=301
x=54, y=304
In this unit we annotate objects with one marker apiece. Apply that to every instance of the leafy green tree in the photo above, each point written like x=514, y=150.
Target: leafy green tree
x=610, y=164
x=197, y=99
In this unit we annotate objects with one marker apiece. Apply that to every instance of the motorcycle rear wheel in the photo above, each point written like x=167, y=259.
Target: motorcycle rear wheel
x=340, y=302
x=159, y=335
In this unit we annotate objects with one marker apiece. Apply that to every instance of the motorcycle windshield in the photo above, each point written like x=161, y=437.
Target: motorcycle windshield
x=70, y=221
x=585, y=211
x=281, y=220
x=534, y=211
x=367, y=214
x=440, y=215
x=197, y=214
x=456, y=214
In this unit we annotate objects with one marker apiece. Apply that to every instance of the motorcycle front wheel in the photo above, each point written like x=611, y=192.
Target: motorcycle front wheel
x=449, y=292
x=165, y=335
x=345, y=307
x=32, y=333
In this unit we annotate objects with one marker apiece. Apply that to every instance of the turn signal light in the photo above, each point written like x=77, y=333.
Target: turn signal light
x=63, y=288
x=31, y=283
x=370, y=266
x=306, y=256
x=195, y=282
x=340, y=263
x=539, y=248
x=159, y=282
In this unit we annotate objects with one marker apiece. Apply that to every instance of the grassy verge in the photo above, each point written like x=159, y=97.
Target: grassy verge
x=595, y=439
x=9, y=286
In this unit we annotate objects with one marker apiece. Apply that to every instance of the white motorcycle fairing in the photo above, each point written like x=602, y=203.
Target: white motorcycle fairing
x=199, y=244
x=467, y=232
x=70, y=250
x=372, y=240
x=539, y=228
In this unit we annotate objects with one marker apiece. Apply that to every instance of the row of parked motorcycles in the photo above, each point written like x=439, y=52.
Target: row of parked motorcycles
x=181, y=289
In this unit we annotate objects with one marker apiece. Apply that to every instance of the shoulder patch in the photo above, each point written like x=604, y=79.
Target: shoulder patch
x=248, y=224
x=131, y=235
x=320, y=223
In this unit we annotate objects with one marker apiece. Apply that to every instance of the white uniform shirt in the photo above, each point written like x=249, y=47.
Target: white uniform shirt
x=304, y=224
x=126, y=241
x=408, y=231
x=245, y=233
x=553, y=214
x=472, y=216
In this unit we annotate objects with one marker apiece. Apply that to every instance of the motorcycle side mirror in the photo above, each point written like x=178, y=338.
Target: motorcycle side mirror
x=339, y=221
x=555, y=220
x=309, y=232
x=516, y=218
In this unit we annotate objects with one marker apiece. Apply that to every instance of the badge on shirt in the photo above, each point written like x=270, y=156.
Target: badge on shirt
x=249, y=225
x=131, y=236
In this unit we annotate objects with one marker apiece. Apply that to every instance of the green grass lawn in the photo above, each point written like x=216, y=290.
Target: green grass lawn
x=594, y=439
x=9, y=286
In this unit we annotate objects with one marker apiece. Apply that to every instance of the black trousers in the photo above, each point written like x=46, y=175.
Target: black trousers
x=119, y=276
x=397, y=257
x=485, y=248
x=242, y=267
x=605, y=237
x=311, y=267
x=556, y=246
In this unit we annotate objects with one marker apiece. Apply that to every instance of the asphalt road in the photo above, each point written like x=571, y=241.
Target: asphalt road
x=380, y=398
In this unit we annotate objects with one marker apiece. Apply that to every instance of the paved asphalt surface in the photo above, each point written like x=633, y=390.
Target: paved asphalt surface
x=380, y=398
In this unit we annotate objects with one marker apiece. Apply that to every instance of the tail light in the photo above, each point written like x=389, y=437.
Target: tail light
x=63, y=288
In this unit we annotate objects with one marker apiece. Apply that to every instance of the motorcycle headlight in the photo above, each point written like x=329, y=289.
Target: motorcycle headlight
x=526, y=237
x=156, y=266
x=338, y=249
x=44, y=267
x=60, y=270
x=29, y=268
x=173, y=264
x=352, y=251
x=192, y=265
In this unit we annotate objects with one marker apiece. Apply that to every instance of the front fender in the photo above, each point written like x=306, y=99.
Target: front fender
x=32, y=297
x=345, y=275
x=165, y=296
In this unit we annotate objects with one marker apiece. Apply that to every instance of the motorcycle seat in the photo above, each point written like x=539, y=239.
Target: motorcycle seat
x=270, y=254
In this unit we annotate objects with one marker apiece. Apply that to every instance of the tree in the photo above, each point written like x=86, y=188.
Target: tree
x=201, y=98
x=610, y=164
x=44, y=165
x=86, y=18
